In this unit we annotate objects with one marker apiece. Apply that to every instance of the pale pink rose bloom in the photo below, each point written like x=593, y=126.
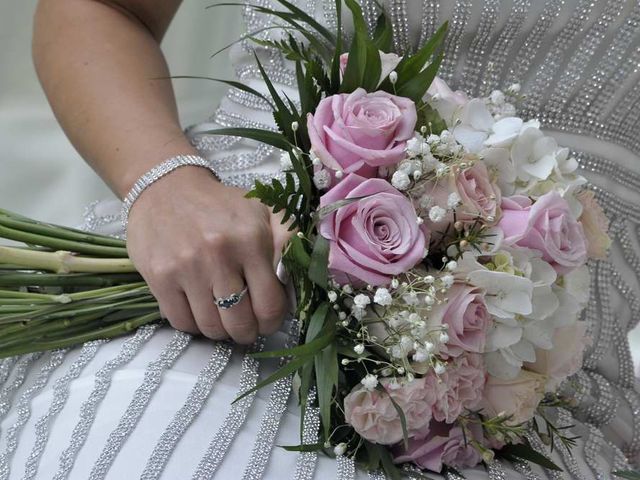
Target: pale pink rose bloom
x=373, y=415
x=479, y=196
x=467, y=317
x=595, y=224
x=518, y=397
x=360, y=131
x=374, y=238
x=565, y=358
x=459, y=388
x=448, y=103
x=389, y=62
x=547, y=226
x=441, y=444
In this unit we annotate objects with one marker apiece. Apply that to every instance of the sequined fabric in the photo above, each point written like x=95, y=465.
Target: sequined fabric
x=578, y=62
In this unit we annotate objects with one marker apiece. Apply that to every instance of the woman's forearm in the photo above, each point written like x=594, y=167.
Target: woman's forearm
x=104, y=74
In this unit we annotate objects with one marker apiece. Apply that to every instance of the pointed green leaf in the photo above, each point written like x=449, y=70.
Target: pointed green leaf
x=274, y=139
x=319, y=267
x=311, y=21
x=304, y=350
x=326, y=365
x=525, y=452
x=416, y=88
x=627, y=474
x=335, y=63
x=411, y=66
x=282, y=372
x=314, y=447
x=231, y=83
x=316, y=324
x=383, y=34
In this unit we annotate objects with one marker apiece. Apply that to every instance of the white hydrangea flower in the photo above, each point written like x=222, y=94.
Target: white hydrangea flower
x=400, y=180
x=383, y=297
x=321, y=179
x=437, y=214
x=359, y=349
x=475, y=126
x=369, y=382
x=534, y=154
x=361, y=300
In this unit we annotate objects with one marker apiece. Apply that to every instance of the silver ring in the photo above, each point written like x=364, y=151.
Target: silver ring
x=232, y=300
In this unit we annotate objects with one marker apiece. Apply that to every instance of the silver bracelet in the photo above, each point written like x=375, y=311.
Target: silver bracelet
x=155, y=174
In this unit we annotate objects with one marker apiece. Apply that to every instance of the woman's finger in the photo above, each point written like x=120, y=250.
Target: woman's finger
x=175, y=308
x=204, y=311
x=238, y=320
x=268, y=298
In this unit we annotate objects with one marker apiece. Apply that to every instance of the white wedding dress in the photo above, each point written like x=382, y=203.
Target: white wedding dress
x=157, y=404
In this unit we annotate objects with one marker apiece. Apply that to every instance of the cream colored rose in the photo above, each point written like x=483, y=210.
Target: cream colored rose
x=595, y=224
x=564, y=359
x=518, y=397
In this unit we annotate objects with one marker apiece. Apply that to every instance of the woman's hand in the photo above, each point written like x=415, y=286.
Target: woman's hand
x=193, y=239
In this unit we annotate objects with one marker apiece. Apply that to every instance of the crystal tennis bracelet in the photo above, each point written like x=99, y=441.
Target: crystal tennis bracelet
x=154, y=175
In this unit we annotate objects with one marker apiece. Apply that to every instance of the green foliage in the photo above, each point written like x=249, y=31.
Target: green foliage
x=318, y=267
x=627, y=474
x=520, y=452
x=383, y=34
x=281, y=198
x=363, y=66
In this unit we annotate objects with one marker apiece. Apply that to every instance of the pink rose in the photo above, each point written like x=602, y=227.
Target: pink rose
x=595, y=224
x=565, y=358
x=374, y=417
x=389, y=61
x=547, y=226
x=467, y=317
x=518, y=397
x=374, y=238
x=447, y=102
x=441, y=444
x=458, y=389
x=360, y=131
x=479, y=197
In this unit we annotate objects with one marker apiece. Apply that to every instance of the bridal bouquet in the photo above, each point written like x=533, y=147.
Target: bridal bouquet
x=439, y=260
x=440, y=255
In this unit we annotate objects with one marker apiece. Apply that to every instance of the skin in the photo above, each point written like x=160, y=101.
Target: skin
x=190, y=237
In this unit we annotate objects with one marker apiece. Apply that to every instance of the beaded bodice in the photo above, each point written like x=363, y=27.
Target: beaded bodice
x=578, y=63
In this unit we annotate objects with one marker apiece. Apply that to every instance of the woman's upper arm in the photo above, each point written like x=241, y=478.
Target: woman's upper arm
x=154, y=15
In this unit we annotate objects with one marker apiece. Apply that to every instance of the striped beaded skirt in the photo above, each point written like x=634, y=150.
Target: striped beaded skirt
x=158, y=404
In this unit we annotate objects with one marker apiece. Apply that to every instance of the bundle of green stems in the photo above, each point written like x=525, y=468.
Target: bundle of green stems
x=60, y=287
